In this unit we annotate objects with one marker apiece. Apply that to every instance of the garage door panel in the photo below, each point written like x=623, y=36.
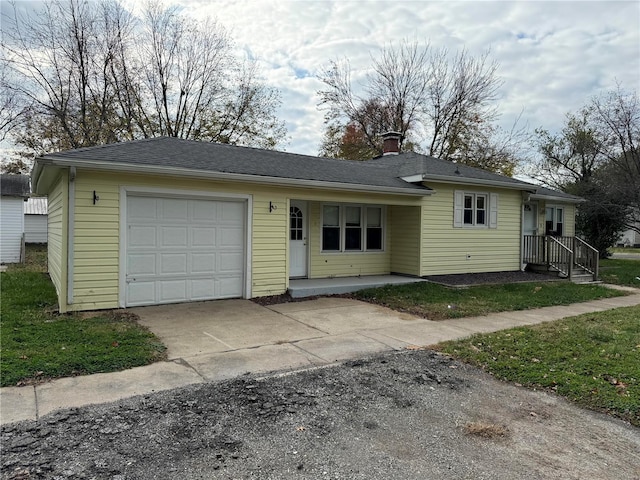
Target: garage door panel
x=203, y=263
x=173, y=236
x=175, y=209
x=202, y=212
x=142, y=264
x=141, y=208
x=230, y=287
x=203, y=236
x=172, y=290
x=173, y=264
x=231, y=236
x=231, y=263
x=142, y=236
x=201, y=288
x=142, y=293
x=230, y=212
x=184, y=249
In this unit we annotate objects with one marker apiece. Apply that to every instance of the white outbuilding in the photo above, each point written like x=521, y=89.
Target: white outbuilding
x=14, y=189
x=35, y=220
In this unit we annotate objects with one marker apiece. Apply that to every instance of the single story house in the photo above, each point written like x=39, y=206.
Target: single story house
x=35, y=220
x=169, y=220
x=14, y=189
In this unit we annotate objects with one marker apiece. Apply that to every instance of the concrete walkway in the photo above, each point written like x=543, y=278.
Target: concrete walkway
x=211, y=341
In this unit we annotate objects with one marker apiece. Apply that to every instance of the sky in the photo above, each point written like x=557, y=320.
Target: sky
x=553, y=56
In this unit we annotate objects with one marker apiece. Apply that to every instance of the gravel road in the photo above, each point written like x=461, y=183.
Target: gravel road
x=409, y=415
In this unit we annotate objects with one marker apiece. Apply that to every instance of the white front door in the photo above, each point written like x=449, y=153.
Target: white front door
x=530, y=219
x=529, y=227
x=298, y=239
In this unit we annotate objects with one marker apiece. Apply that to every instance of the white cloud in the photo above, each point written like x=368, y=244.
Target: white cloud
x=554, y=55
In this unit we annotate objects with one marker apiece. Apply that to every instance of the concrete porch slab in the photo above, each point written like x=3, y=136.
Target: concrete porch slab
x=333, y=286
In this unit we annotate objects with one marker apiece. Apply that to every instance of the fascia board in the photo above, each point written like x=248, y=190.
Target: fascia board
x=478, y=181
x=181, y=172
x=551, y=198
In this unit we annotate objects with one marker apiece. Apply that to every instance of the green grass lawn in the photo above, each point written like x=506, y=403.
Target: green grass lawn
x=592, y=359
x=620, y=272
x=435, y=302
x=38, y=344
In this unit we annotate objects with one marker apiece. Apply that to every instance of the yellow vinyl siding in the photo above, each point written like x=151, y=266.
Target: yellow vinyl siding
x=268, y=242
x=97, y=233
x=57, y=238
x=341, y=264
x=96, y=242
x=404, y=230
x=449, y=250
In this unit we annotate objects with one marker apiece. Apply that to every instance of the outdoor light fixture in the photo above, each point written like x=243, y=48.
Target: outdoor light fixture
x=95, y=197
x=272, y=207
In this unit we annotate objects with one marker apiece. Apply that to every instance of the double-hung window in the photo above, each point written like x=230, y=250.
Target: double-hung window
x=475, y=209
x=554, y=221
x=352, y=228
x=331, y=228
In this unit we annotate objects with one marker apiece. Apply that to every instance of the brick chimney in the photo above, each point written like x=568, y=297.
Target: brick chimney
x=391, y=143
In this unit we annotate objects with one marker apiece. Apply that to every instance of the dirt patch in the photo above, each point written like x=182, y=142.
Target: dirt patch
x=491, y=278
x=392, y=416
x=486, y=430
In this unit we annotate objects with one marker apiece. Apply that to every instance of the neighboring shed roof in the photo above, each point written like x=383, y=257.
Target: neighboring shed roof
x=14, y=185
x=35, y=206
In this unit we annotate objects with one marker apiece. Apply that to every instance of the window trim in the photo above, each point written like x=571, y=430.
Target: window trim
x=364, y=227
x=555, y=208
x=490, y=209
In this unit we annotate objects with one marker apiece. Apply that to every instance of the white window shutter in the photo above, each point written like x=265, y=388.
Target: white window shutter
x=493, y=211
x=458, y=203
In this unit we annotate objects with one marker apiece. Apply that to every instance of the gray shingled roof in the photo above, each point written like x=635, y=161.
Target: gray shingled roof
x=193, y=156
x=13, y=185
x=411, y=163
x=547, y=192
x=215, y=157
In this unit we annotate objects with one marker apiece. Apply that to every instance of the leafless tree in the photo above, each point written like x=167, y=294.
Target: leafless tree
x=93, y=73
x=444, y=103
x=618, y=119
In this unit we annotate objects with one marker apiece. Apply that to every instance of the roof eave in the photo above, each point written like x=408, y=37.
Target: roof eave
x=478, y=181
x=553, y=198
x=52, y=160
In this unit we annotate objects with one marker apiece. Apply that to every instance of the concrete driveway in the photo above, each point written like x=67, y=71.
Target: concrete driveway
x=225, y=338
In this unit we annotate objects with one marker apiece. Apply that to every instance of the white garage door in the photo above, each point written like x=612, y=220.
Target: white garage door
x=182, y=250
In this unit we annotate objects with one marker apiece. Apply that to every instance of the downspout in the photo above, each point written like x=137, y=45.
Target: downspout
x=70, y=230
